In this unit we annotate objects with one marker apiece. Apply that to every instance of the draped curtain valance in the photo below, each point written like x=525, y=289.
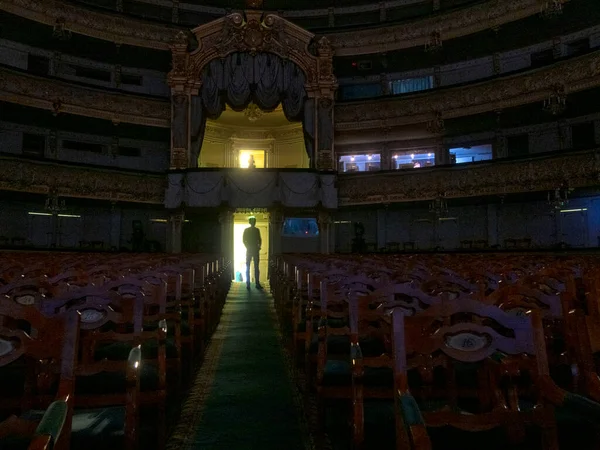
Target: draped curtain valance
x=242, y=78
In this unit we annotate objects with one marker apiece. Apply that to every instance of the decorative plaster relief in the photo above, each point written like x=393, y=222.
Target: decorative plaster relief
x=125, y=30
x=450, y=25
x=575, y=75
x=109, y=27
x=82, y=182
x=40, y=92
x=495, y=178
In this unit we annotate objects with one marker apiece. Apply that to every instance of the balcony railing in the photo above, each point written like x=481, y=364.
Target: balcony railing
x=254, y=188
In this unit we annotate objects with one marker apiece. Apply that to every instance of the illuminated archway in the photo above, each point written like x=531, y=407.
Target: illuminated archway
x=251, y=57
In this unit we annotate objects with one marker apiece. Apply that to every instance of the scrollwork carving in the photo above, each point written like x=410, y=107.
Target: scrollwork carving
x=577, y=74
x=252, y=33
x=495, y=178
x=72, y=181
x=130, y=31
x=64, y=97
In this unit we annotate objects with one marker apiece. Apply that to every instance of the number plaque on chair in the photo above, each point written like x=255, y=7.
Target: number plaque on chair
x=25, y=300
x=467, y=342
x=92, y=316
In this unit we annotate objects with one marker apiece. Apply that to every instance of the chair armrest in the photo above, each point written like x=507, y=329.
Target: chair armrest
x=412, y=420
x=356, y=357
x=134, y=362
x=51, y=425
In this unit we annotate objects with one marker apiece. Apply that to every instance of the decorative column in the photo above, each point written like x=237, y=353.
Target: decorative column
x=52, y=145
x=496, y=64
x=180, y=104
x=325, y=222
x=382, y=12
x=175, y=232
x=324, y=101
x=54, y=67
x=115, y=226
x=226, y=222
x=386, y=156
x=276, y=217
x=564, y=135
x=437, y=76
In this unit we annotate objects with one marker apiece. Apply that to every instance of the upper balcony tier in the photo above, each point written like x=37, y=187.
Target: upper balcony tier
x=122, y=29
x=575, y=75
x=310, y=14
x=78, y=181
x=302, y=188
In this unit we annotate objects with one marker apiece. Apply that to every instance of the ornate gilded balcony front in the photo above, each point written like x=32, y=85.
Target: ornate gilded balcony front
x=69, y=180
x=251, y=188
x=543, y=173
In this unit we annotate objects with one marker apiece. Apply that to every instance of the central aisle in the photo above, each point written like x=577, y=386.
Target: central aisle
x=242, y=398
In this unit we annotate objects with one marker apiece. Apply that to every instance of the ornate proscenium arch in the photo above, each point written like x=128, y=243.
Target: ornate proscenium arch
x=255, y=40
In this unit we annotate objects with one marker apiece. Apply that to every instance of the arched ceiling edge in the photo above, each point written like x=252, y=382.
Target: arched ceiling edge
x=253, y=32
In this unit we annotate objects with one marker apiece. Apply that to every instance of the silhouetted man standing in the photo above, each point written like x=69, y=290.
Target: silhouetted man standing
x=252, y=242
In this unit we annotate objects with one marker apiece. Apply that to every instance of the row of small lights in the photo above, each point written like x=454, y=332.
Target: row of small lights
x=412, y=156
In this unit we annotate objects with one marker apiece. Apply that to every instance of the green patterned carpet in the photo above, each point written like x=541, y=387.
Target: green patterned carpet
x=242, y=398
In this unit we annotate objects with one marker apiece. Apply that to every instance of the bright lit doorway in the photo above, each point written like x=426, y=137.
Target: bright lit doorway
x=254, y=158
x=240, y=223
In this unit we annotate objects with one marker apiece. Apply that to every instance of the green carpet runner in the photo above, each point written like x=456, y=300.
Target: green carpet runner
x=242, y=398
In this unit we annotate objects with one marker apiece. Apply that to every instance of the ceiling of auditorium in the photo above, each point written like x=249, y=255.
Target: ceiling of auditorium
x=267, y=120
x=283, y=4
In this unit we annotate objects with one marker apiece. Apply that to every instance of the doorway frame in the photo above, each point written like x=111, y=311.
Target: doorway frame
x=240, y=216
x=266, y=145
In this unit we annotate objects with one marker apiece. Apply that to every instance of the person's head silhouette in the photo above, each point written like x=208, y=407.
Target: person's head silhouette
x=252, y=221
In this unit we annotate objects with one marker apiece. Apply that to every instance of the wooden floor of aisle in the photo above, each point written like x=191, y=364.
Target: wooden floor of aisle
x=242, y=397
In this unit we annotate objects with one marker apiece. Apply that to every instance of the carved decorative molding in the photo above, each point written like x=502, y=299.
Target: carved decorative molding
x=252, y=32
x=576, y=74
x=581, y=169
x=125, y=30
x=451, y=25
x=64, y=97
x=75, y=181
x=109, y=27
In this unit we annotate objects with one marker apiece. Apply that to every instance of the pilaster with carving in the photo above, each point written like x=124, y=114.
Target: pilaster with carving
x=176, y=231
x=325, y=222
x=276, y=217
x=181, y=91
x=226, y=223
x=324, y=106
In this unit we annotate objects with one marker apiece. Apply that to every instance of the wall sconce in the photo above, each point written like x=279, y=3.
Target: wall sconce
x=59, y=31
x=435, y=42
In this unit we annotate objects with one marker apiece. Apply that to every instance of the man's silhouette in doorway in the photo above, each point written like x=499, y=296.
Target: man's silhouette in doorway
x=253, y=243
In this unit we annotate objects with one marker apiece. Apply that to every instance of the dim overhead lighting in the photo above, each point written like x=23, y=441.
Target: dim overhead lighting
x=59, y=31
x=54, y=205
x=439, y=207
x=559, y=197
x=573, y=210
x=551, y=8
x=556, y=103
x=435, y=42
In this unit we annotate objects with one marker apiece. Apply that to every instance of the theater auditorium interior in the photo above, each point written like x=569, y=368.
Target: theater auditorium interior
x=299, y=225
